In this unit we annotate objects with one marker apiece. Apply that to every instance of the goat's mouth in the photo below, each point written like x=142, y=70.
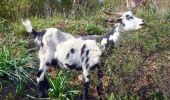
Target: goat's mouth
x=142, y=24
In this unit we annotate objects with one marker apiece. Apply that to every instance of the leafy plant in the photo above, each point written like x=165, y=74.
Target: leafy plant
x=93, y=29
x=59, y=87
x=167, y=17
x=13, y=67
x=1, y=87
x=20, y=88
x=112, y=97
x=156, y=95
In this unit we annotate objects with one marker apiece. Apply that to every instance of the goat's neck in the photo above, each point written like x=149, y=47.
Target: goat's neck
x=112, y=38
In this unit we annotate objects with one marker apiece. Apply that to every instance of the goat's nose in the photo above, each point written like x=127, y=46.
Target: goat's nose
x=143, y=21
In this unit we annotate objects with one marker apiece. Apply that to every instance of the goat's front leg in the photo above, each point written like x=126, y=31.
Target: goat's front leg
x=86, y=83
x=100, y=83
x=42, y=81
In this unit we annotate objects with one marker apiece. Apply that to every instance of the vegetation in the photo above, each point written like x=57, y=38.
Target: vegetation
x=137, y=69
x=58, y=87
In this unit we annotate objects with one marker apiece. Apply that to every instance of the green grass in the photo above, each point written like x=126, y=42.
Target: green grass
x=13, y=67
x=13, y=64
x=60, y=87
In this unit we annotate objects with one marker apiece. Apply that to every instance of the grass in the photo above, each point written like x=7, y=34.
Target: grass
x=138, y=68
x=13, y=64
x=60, y=87
x=11, y=67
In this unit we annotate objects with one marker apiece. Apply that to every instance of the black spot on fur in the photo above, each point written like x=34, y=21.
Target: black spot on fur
x=82, y=59
x=123, y=24
x=67, y=56
x=128, y=17
x=48, y=64
x=87, y=60
x=72, y=50
x=74, y=66
x=39, y=73
x=87, y=66
x=42, y=44
x=54, y=62
x=35, y=33
x=82, y=49
x=41, y=34
x=87, y=53
x=110, y=43
x=88, y=76
x=94, y=67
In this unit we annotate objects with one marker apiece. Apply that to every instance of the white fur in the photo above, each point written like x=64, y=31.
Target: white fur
x=133, y=24
x=51, y=39
x=76, y=58
x=63, y=49
x=104, y=41
x=27, y=24
x=115, y=37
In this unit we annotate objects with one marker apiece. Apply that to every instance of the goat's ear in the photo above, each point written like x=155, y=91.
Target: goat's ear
x=119, y=20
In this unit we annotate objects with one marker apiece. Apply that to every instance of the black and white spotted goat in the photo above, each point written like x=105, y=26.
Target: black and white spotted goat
x=78, y=52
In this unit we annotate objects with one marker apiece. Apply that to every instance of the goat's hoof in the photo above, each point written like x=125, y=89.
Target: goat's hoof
x=100, y=98
x=42, y=95
x=85, y=99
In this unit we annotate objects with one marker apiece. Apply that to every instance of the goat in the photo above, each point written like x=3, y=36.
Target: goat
x=81, y=53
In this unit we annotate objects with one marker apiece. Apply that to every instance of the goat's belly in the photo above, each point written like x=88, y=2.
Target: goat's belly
x=76, y=53
x=76, y=62
x=78, y=67
x=73, y=62
x=73, y=66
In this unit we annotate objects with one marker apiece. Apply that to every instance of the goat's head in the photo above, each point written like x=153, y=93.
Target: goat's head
x=128, y=21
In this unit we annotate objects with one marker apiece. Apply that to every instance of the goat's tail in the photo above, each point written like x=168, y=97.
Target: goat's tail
x=28, y=27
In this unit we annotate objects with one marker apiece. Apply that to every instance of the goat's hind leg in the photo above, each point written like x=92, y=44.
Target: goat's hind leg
x=86, y=83
x=100, y=89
